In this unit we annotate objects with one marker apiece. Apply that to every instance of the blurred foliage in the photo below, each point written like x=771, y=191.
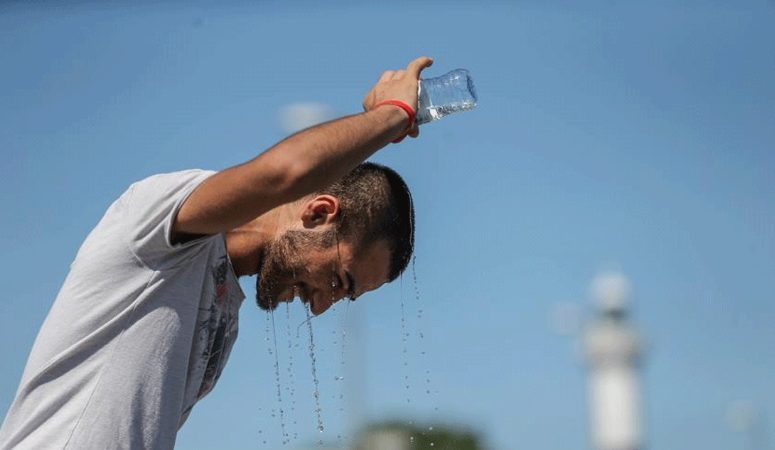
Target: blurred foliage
x=412, y=437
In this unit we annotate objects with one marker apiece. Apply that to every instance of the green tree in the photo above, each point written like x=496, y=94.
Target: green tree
x=397, y=435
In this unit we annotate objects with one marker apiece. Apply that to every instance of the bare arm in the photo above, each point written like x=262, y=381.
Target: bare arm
x=304, y=162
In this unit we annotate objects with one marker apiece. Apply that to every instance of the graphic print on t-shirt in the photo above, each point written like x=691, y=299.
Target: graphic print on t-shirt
x=219, y=331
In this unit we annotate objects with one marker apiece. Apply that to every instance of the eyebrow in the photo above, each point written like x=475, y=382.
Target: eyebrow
x=350, y=285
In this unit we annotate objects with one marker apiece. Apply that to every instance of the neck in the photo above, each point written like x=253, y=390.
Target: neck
x=246, y=243
x=244, y=256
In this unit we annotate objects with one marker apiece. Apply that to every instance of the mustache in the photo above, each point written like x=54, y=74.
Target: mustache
x=268, y=292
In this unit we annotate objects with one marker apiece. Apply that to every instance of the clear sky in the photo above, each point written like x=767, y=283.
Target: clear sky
x=636, y=136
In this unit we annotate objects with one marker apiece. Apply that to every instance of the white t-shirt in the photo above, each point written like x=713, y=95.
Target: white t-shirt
x=139, y=332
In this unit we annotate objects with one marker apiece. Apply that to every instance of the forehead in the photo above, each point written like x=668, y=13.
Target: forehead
x=369, y=267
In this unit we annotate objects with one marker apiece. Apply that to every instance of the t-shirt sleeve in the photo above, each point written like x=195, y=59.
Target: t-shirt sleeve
x=150, y=208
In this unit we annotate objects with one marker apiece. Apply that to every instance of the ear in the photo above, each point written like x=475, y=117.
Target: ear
x=320, y=210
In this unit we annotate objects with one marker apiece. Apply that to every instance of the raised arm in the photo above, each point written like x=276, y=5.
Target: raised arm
x=304, y=162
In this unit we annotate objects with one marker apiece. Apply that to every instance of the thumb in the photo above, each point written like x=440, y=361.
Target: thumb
x=415, y=67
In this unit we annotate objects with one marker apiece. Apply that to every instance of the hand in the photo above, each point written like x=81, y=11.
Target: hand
x=399, y=85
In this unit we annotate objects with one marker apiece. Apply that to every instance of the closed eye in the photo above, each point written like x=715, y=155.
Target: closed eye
x=338, y=282
x=350, y=286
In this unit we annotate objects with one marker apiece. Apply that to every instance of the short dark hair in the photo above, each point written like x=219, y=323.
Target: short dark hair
x=375, y=204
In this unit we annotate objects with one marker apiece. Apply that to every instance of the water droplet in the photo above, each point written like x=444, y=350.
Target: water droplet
x=277, y=375
x=318, y=409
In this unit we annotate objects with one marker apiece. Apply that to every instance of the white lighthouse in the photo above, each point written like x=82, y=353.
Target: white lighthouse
x=613, y=350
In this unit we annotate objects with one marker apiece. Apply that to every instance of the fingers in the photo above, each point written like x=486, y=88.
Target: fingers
x=399, y=85
x=387, y=76
x=415, y=67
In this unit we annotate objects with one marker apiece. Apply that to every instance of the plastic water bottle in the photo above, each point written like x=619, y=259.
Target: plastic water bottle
x=441, y=96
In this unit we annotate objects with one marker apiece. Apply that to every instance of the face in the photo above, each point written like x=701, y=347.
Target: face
x=314, y=267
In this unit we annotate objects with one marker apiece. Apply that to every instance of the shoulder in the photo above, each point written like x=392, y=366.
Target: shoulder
x=149, y=210
x=162, y=183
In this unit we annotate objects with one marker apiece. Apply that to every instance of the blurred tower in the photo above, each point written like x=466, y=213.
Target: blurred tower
x=612, y=349
x=745, y=417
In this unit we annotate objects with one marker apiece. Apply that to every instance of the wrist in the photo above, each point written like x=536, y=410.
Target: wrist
x=408, y=112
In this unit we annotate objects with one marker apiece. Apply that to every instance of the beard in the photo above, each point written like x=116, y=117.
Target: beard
x=283, y=260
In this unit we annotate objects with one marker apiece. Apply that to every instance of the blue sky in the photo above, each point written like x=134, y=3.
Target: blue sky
x=635, y=136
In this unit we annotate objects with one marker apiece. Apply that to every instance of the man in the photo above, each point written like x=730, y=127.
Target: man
x=147, y=316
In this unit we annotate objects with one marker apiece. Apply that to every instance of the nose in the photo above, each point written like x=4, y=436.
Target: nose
x=324, y=301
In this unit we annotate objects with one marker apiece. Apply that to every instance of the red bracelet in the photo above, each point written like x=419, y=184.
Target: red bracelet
x=408, y=110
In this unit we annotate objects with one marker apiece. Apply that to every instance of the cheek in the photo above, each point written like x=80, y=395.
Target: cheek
x=320, y=282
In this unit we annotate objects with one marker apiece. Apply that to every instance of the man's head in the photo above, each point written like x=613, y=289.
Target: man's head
x=358, y=234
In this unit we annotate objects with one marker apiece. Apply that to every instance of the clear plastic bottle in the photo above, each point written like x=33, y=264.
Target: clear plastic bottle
x=441, y=96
